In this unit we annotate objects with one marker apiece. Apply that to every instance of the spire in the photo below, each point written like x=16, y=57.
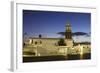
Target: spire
x=68, y=24
x=68, y=27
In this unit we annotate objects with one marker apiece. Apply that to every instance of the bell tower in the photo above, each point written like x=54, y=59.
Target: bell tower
x=68, y=36
x=68, y=32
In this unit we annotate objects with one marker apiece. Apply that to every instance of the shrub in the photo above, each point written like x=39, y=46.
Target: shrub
x=61, y=42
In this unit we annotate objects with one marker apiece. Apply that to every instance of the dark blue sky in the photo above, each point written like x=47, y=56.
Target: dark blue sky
x=50, y=23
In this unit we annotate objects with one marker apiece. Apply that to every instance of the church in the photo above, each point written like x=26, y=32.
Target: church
x=51, y=42
x=50, y=46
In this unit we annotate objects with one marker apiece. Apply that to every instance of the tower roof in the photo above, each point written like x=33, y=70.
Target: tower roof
x=68, y=25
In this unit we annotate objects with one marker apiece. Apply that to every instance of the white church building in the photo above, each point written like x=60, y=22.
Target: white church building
x=50, y=46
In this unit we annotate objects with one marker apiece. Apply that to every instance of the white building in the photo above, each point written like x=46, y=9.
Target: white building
x=50, y=46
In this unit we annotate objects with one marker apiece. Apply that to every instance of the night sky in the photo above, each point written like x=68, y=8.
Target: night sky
x=49, y=23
